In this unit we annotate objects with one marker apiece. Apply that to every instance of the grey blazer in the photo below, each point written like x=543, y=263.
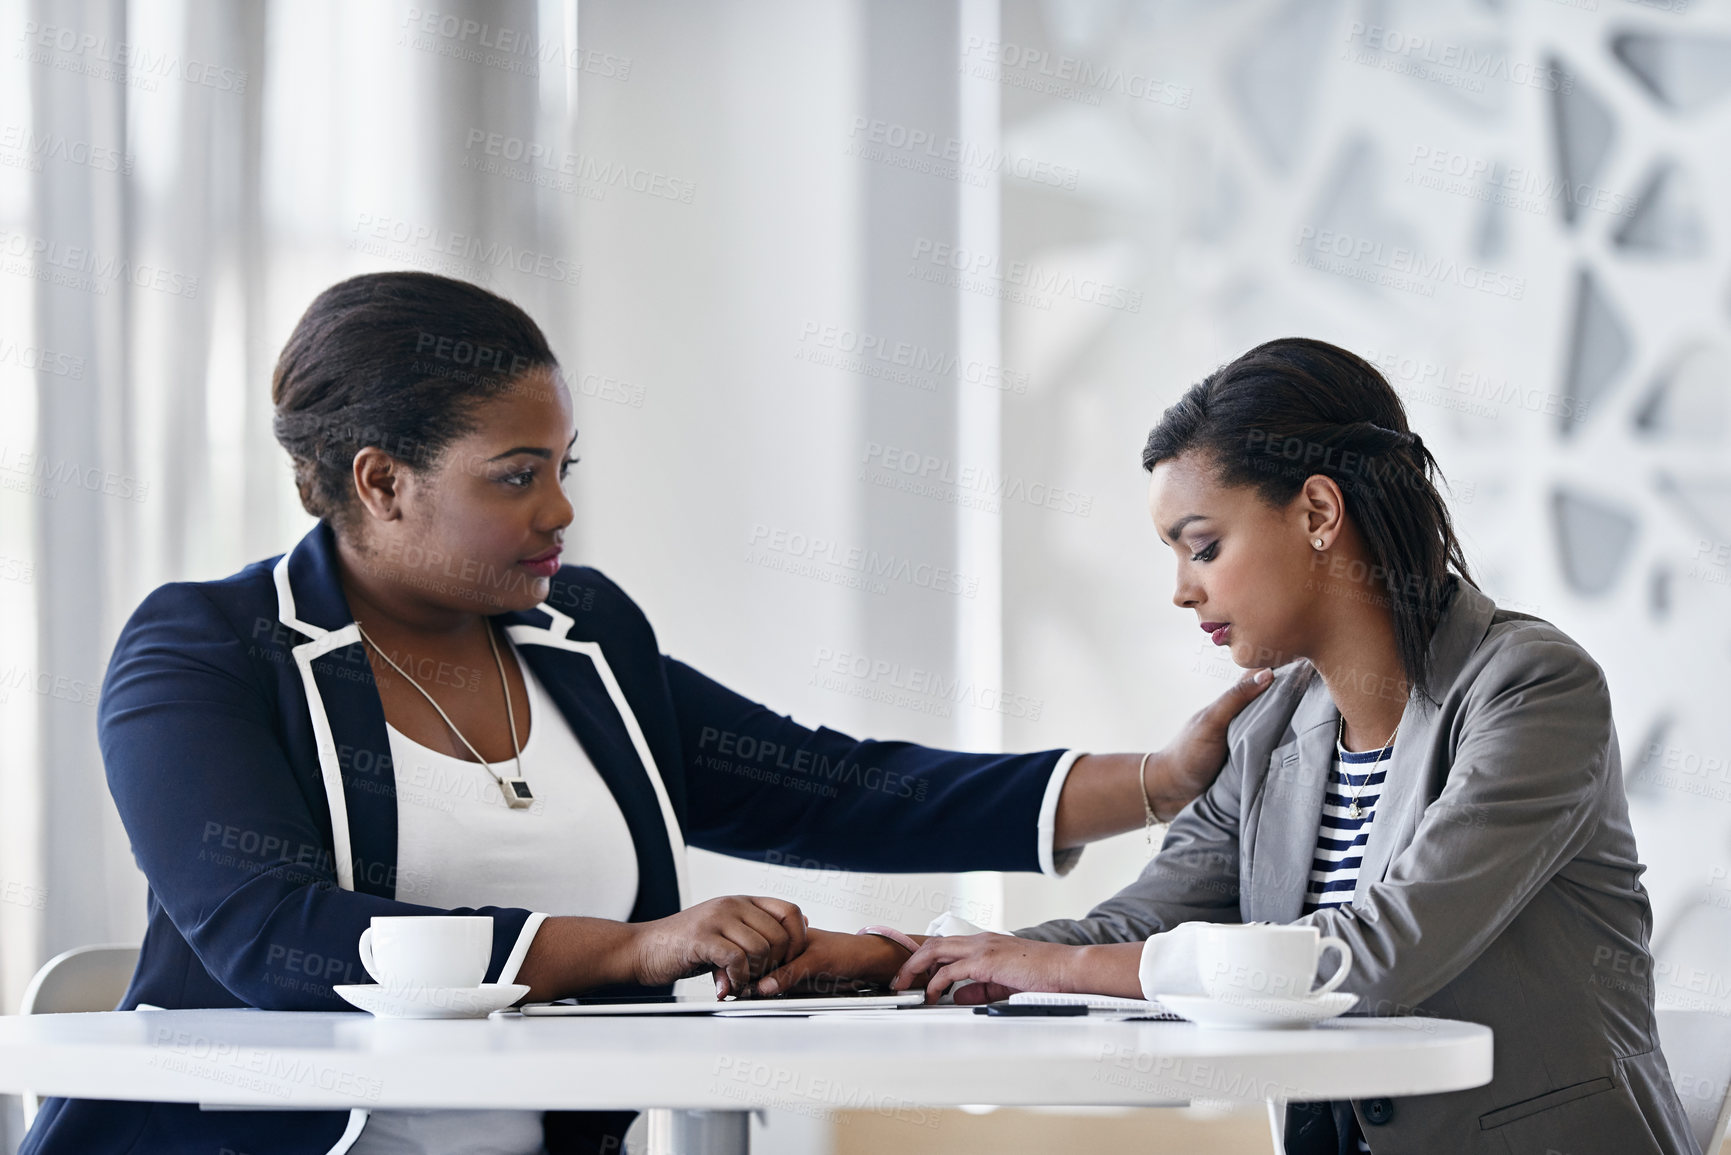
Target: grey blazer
x=1500, y=885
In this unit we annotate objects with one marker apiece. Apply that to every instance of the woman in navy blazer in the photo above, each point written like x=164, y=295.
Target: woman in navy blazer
x=243, y=723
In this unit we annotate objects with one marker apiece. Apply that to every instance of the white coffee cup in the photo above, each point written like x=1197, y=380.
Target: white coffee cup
x=437, y=950
x=1266, y=962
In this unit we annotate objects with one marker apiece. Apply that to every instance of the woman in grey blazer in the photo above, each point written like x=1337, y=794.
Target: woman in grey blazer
x=1497, y=877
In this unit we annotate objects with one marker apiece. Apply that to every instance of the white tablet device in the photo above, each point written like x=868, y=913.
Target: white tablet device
x=701, y=1005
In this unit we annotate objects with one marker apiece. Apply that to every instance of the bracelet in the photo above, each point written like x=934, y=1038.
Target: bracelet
x=892, y=934
x=1148, y=819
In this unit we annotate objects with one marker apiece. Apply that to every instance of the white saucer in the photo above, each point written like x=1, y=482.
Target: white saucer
x=432, y=1002
x=1258, y=1013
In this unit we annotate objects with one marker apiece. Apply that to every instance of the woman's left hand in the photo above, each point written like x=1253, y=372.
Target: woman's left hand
x=999, y=964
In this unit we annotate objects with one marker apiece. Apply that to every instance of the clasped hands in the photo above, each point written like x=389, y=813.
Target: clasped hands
x=762, y=947
x=998, y=965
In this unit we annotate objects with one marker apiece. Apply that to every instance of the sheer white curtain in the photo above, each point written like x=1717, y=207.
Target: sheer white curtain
x=177, y=179
x=723, y=240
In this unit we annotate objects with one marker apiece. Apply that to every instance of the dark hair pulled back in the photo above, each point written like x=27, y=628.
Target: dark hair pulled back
x=1293, y=408
x=397, y=360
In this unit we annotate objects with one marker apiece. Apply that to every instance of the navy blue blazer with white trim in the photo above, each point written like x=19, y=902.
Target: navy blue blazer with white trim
x=246, y=749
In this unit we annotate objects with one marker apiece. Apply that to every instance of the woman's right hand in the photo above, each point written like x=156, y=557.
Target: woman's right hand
x=741, y=938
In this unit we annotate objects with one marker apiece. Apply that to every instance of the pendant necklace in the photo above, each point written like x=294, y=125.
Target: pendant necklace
x=516, y=790
x=1354, y=810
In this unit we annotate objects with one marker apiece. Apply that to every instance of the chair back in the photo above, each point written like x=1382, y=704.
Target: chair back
x=1697, y=1046
x=85, y=978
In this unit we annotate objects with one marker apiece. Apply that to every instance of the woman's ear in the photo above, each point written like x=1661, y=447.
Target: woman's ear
x=377, y=477
x=1322, y=507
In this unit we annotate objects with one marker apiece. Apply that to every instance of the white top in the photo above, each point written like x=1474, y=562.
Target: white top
x=459, y=844
x=1341, y=838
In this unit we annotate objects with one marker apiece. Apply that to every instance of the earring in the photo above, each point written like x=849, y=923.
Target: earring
x=1319, y=543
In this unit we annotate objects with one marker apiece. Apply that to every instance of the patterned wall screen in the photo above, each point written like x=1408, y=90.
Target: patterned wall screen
x=1521, y=211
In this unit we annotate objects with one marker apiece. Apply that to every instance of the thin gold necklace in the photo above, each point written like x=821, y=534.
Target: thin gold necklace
x=516, y=790
x=1354, y=810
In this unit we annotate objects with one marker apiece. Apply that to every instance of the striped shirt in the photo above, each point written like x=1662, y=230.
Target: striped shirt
x=1341, y=838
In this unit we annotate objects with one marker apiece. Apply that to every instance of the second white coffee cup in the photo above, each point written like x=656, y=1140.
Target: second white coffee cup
x=1278, y=962
x=440, y=950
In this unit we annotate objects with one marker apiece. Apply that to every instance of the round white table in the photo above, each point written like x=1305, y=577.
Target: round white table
x=713, y=1071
